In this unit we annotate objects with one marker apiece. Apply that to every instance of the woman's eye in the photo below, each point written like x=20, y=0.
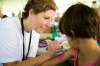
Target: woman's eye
x=46, y=17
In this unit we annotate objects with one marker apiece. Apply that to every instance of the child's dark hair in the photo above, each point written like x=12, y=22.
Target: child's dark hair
x=80, y=21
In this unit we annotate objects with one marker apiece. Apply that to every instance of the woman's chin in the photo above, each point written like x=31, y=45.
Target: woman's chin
x=39, y=31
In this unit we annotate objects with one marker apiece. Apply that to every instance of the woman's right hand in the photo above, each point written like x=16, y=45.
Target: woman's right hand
x=53, y=47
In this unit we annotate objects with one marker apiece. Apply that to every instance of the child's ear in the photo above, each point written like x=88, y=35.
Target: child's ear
x=72, y=33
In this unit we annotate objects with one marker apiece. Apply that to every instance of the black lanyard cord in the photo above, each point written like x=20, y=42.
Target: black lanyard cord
x=29, y=44
x=25, y=57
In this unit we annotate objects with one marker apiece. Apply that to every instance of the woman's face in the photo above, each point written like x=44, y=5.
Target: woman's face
x=42, y=20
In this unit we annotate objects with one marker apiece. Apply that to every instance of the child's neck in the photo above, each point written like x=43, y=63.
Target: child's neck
x=88, y=46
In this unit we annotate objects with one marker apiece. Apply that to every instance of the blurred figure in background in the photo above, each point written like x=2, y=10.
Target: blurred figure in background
x=2, y=15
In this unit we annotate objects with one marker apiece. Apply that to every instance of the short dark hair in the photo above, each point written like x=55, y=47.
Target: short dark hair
x=38, y=6
x=80, y=21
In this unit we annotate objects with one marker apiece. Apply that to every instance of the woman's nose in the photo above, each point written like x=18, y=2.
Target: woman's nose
x=48, y=23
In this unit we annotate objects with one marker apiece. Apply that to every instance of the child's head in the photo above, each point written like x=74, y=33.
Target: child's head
x=80, y=21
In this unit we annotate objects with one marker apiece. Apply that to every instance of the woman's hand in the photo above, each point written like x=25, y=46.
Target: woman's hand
x=53, y=47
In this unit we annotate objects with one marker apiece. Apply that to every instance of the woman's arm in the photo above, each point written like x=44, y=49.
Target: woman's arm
x=33, y=61
x=58, y=59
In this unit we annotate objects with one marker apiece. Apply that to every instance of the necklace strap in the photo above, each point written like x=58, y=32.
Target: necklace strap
x=25, y=57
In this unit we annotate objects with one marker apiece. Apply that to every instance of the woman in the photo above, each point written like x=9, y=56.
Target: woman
x=81, y=25
x=36, y=17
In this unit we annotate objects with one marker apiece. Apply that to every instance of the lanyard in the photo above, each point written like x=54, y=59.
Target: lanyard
x=25, y=57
